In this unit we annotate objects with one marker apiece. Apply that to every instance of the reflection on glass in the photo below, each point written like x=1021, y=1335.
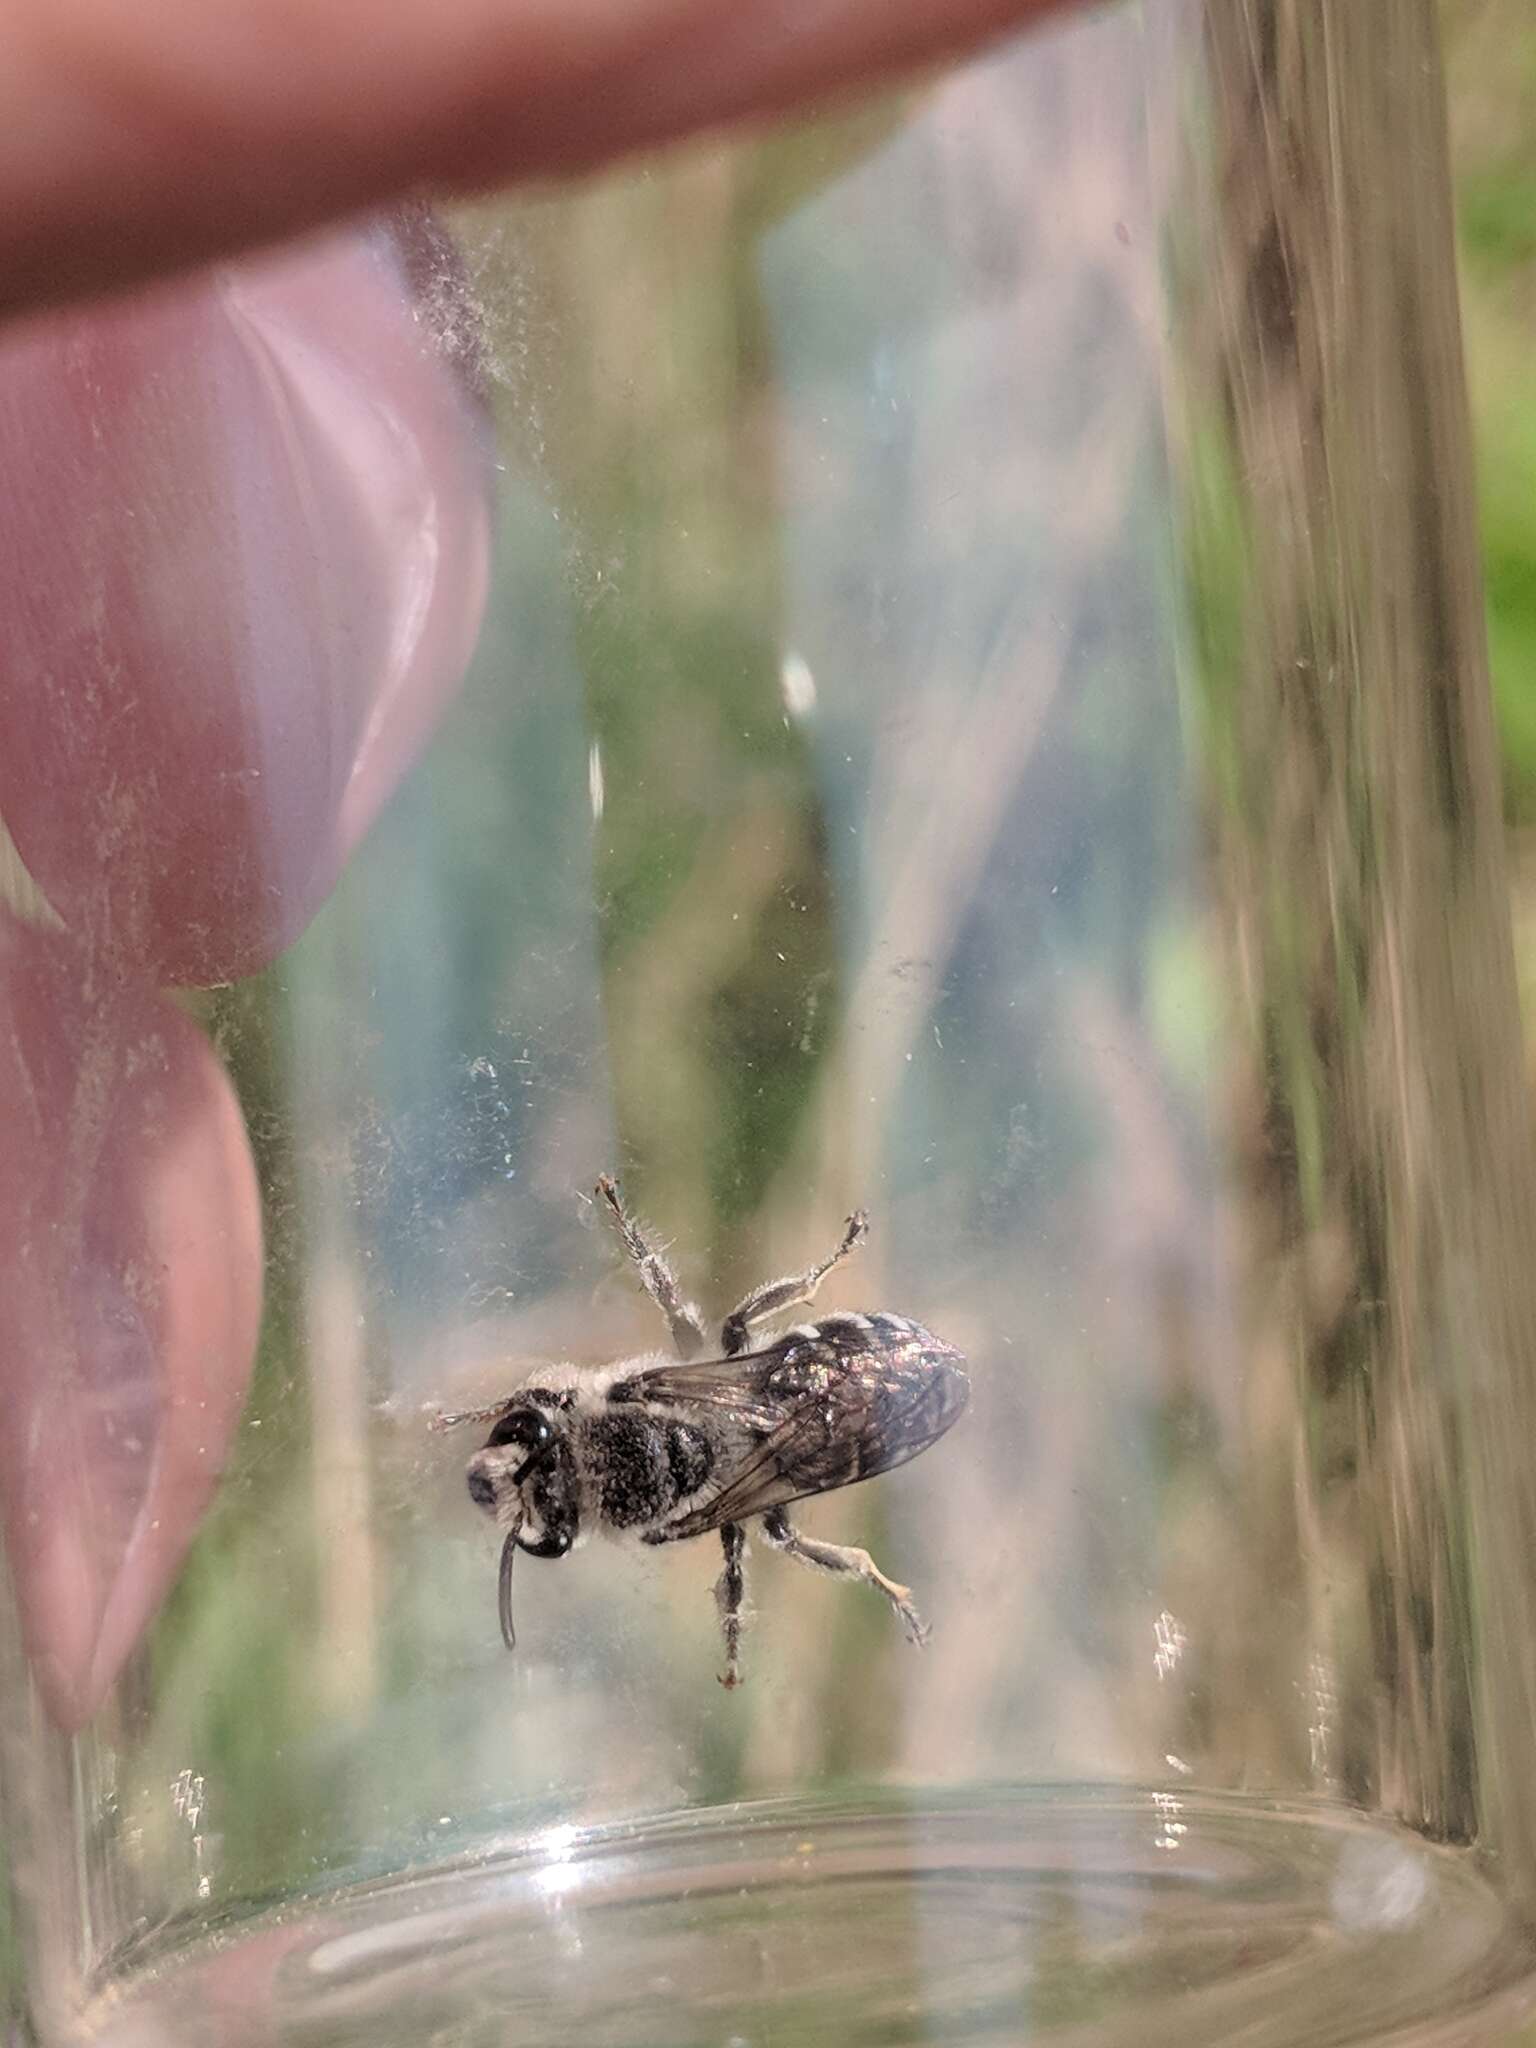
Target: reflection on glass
x=980, y=715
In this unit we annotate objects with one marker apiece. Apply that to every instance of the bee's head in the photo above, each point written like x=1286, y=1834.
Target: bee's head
x=523, y=1476
x=522, y=1442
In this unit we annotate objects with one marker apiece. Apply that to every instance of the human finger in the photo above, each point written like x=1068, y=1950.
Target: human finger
x=140, y=140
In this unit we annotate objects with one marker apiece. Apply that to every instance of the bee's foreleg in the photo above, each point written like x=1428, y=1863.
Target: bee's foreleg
x=656, y=1276
x=839, y=1558
x=775, y=1296
x=730, y=1596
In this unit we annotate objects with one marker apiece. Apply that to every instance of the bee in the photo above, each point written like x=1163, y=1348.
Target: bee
x=659, y=1449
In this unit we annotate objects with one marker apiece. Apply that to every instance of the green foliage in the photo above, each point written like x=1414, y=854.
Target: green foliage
x=1507, y=504
x=1496, y=219
x=1491, y=65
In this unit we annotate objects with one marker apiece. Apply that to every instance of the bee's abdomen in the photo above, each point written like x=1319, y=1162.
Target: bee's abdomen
x=879, y=1330
x=892, y=1384
x=850, y=1341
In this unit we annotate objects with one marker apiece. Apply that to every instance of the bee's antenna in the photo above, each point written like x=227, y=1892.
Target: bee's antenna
x=445, y=1419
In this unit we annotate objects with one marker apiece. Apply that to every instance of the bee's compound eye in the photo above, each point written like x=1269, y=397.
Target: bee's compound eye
x=520, y=1426
x=482, y=1488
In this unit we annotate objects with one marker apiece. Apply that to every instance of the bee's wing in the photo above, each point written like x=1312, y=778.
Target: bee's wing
x=798, y=1457
x=876, y=1415
x=778, y=1438
x=738, y=1385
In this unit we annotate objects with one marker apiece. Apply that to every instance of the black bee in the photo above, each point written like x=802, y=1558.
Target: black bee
x=659, y=1450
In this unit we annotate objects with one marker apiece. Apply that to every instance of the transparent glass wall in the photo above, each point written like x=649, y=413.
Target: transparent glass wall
x=979, y=715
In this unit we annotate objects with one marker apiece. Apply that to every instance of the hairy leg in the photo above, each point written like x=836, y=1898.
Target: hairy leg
x=730, y=1594
x=656, y=1276
x=847, y=1563
x=775, y=1296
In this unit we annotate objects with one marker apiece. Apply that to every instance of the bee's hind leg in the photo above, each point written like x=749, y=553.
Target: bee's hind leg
x=730, y=1595
x=847, y=1562
x=775, y=1296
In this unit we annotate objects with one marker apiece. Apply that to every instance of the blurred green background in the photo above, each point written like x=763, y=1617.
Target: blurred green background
x=1490, y=54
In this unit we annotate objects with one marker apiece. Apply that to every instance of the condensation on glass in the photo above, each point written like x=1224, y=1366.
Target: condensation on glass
x=981, y=714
